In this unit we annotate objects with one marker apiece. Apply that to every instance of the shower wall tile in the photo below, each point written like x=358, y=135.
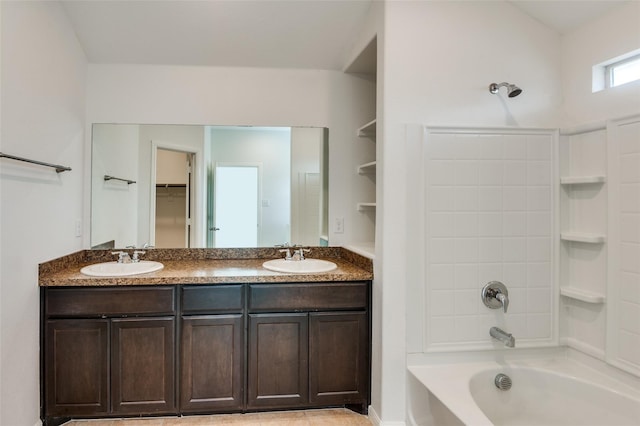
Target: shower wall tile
x=489, y=218
x=626, y=298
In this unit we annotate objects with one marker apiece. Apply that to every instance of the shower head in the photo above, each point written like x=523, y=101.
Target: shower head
x=512, y=89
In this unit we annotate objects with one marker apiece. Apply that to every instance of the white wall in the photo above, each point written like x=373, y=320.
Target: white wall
x=114, y=204
x=238, y=96
x=439, y=59
x=43, y=116
x=593, y=327
x=606, y=38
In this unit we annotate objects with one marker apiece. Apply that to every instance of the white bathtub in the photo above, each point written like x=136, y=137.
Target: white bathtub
x=555, y=391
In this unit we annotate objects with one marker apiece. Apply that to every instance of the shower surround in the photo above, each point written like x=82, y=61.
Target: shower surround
x=488, y=214
x=552, y=214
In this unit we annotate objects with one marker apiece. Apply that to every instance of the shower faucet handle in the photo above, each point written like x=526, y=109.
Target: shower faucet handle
x=495, y=295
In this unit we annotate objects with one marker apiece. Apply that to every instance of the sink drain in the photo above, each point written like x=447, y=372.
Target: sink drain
x=503, y=382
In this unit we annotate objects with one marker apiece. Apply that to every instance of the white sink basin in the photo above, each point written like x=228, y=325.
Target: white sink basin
x=307, y=266
x=115, y=269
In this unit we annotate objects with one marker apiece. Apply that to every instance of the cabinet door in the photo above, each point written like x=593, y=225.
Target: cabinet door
x=142, y=365
x=76, y=367
x=212, y=363
x=278, y=360
x=338, y=358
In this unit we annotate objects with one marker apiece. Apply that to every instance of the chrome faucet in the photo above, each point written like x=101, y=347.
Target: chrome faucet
x=495, y=295
x=136, y=257
x=299, y=253
x=506, y=338
x=286, y=249
x=123, y=256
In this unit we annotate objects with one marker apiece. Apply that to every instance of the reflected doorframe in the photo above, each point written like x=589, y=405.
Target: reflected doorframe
x=197, y=234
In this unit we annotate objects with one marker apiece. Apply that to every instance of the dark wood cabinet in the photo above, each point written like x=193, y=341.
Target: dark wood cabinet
x=144, y=350
x=212, y=363
x=316, y=356
x=212, y=348
x=108, y=351
x=142, y=365
x=76, y=367
x=278, y=360
x=338, y=358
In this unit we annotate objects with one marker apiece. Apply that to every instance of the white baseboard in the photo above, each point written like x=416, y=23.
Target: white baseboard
x=373, y=416
x=375, y=419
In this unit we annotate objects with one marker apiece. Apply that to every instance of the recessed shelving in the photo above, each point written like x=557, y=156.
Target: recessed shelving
x=366, y=206
x=367, y=168
x=581, y=180
x=361, y=237
x=582, y=295
x=367, y=130
x=583, y=237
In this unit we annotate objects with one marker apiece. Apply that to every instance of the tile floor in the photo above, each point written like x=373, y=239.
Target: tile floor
x=324, y=417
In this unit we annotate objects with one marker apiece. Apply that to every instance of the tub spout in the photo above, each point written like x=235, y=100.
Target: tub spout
x=506, y=338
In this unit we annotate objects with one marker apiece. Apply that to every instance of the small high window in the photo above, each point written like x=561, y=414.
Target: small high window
x=617, y=71
x=622, y=72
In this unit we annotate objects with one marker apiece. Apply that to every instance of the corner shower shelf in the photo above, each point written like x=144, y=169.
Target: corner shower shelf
x=367, y=130
x=366, y=206
x=579, y=180
x=582, y=295
x=583, y=237
x=367, y=168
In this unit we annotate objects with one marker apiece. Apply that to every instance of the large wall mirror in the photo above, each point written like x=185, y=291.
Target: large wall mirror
x=177, y=186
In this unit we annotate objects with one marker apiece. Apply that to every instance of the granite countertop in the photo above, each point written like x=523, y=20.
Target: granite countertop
x=203, y=266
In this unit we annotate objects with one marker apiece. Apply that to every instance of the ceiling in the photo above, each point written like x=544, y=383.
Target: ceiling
x=251, y=33
x=254, y=33
x=566, y=15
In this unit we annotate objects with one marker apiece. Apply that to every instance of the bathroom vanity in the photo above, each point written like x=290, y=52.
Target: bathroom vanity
x=208, y=335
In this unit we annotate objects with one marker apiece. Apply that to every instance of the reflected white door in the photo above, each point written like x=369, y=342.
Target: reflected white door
x=236, y=210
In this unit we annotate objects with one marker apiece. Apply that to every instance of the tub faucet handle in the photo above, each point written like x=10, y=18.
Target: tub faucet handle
x=495, y=296
x=504, y=299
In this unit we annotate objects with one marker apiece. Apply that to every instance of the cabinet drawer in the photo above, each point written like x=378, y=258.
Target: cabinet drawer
x=307, y=297
x=215, y=299
x=109, y=301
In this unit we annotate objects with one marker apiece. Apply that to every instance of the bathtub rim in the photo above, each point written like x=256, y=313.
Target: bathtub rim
x=451, y=385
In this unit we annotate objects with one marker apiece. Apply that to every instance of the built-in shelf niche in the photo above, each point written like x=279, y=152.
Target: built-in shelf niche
x=582, y=180
x=583, y=235
x=368, y=130
x=367, y=168
x=362, y=238
x=582, y=295
x=366, y=206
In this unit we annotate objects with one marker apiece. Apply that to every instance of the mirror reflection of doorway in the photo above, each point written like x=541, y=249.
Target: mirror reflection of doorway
x=173, y=199
x=236, y=209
